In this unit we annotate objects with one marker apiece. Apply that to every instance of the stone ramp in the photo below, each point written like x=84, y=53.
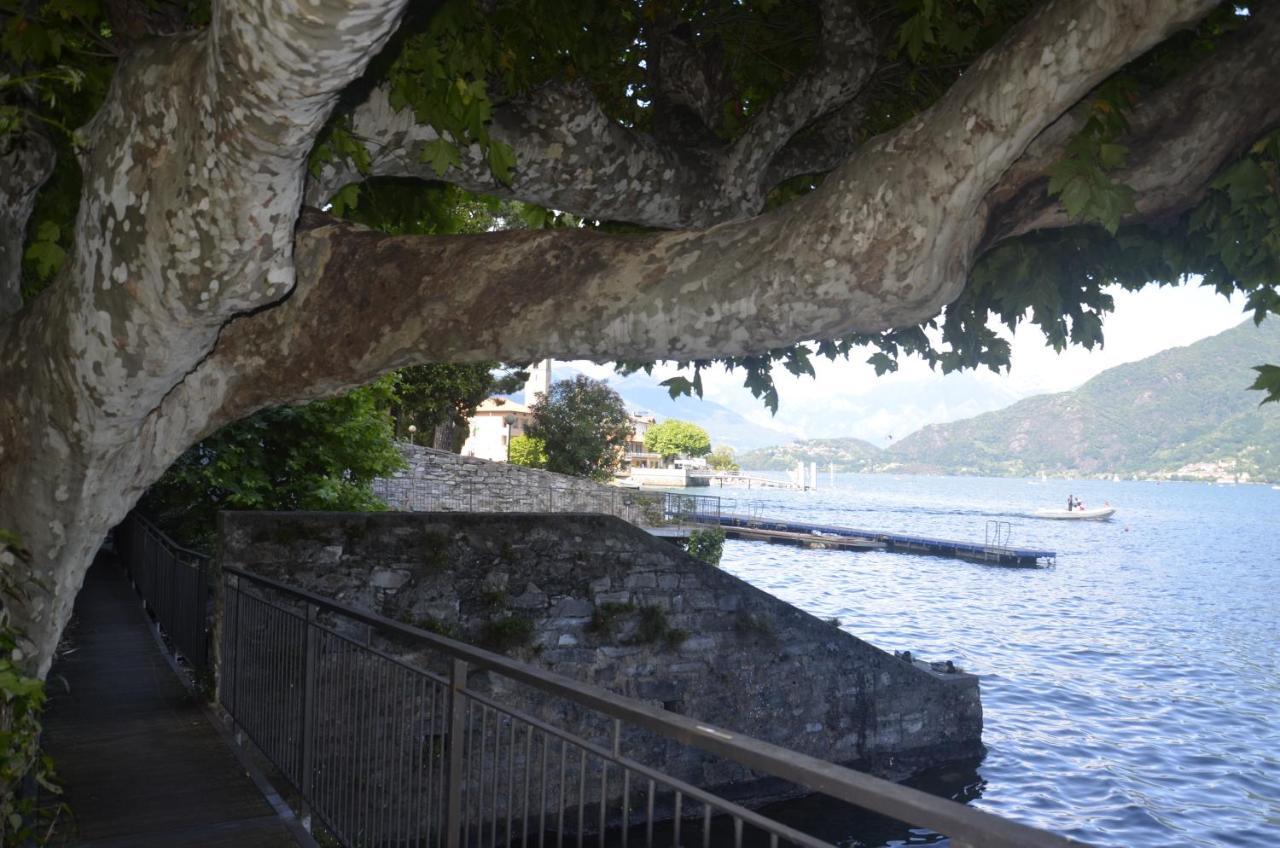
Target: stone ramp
x=137, y=756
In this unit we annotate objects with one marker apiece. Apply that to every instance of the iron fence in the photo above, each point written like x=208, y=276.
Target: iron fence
x=174, y=585
x=642, y=508
x=394, y=736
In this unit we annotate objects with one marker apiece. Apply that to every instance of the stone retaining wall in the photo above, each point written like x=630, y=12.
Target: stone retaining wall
x=440, y=481
x=593, y=598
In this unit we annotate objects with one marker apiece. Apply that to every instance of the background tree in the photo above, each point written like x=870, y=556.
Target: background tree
x=528, y=451
x=674, y=438
x=750, y=182
x=584, y=426
x=722, y=459
x=439, y=398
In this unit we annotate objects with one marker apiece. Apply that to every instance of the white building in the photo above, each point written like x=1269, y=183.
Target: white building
x=495, y=423
x=498, y=420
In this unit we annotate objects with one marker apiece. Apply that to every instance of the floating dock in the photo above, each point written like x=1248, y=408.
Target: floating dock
x=830, y=536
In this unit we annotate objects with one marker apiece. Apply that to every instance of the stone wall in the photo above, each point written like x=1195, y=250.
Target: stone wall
x=593, y=598
x=440, y=481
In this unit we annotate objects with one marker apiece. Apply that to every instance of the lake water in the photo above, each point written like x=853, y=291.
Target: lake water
x=1131, y=692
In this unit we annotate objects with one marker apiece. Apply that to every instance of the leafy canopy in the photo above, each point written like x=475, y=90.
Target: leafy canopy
x=320, y=456
x=451, y=63
x=674, y=438
x=584, y=427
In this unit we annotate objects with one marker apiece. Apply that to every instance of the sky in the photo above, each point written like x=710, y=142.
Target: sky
x=848, y=399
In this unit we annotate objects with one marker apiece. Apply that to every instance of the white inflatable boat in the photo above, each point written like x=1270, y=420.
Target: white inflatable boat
x=1100, y=514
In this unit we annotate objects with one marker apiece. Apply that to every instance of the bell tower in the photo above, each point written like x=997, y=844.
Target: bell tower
x=539, y=382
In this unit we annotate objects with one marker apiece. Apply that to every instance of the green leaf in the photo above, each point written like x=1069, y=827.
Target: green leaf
x=347, y=198
x=502, y=159
x=1244, y=181
x=1268, y=381
x=1112, y=156
x=678, y=387
x=441, y=155
x=47, y=256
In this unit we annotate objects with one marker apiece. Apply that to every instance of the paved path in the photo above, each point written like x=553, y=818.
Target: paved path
x=139, y=760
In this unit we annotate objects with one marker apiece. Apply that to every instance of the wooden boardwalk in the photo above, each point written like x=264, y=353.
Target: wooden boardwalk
x=139, y=760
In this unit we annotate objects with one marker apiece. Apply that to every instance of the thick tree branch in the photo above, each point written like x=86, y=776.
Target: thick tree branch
x=569, y=154
x=1179, y=137
x=26, y=161
x=821, y=149
x=886, y=241
x=845, y=63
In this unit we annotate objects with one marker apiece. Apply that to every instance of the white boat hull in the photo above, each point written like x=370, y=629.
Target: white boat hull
x=1077, y=514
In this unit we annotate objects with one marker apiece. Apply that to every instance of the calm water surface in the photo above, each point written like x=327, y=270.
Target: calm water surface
x=1131, y=692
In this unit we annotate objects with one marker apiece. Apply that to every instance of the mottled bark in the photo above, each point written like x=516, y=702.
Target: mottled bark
x=193, y=177
x=26, y=160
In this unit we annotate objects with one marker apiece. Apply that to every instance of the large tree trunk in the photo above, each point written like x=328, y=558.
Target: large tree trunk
x=194, y=298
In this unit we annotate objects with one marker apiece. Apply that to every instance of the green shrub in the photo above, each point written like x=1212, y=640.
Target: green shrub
x=706, y=545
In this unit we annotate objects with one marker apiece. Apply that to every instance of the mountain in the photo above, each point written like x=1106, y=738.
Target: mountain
x=1181, y=413
x=642, y=394
x=847, y=454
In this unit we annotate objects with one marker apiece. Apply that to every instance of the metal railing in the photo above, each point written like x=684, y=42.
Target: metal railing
x=174, y=585
x=644, y=509
x=392, y=735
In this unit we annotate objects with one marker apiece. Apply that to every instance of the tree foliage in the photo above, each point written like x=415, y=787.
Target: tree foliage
x=674, y=438
x=323, y=456
x=528, y=451
x=584, y=427
x=22, y=700
x=428, y=396
x=723, y=459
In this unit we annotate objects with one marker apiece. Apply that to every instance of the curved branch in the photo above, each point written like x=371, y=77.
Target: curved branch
x=846, y=61
x=26, y=160
x=1179, y=138
x=569, y=154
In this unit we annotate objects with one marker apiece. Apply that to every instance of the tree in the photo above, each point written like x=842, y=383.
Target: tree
x=323, y=455
x=441, y=397
x=735, y=178
x=583, y=426
x=674, y=438
x=528, y=451
x=722, y=459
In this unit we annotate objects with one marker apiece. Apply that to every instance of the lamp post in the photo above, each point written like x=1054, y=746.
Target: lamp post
x=510, y=421
x=413, y=434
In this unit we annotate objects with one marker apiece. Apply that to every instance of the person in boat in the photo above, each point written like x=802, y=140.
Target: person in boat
x=1071, y=502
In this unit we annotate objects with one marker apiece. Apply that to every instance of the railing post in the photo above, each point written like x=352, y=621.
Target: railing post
x=457, y=722
x=309, y=713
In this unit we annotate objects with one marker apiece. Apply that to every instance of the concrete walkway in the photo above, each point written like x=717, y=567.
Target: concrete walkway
x=139, y=760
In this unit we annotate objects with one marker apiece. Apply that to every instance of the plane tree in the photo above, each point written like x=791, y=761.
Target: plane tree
x=181, y=186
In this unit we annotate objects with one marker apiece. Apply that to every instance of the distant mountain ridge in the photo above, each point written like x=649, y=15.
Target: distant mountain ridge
x=847, y=454
x=1182, y=413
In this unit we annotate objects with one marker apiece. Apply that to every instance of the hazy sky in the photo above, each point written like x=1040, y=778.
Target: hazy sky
x=847, y=399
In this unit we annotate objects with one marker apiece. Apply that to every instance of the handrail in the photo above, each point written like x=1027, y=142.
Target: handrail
x=168, y=540
x=918, y=808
